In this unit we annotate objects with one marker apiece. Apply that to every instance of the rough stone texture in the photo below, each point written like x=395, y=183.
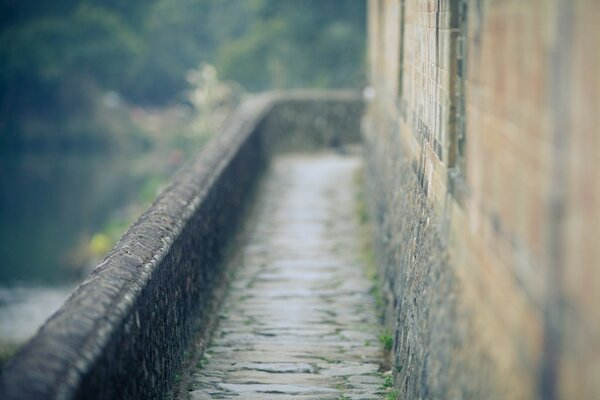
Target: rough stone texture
x=299, y=320
x=483, y=142
x=307, y=121
x=418, y=288
x=123, y=332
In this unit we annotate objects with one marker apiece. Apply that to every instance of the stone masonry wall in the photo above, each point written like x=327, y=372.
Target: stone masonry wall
x=122, y=334
x=482, y=135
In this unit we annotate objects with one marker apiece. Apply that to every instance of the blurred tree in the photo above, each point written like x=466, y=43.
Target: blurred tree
x=55, y=54
x=181, y=34
x=57, y=57
x=298, y=44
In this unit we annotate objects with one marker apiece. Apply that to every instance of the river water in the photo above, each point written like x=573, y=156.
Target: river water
x=51, y=206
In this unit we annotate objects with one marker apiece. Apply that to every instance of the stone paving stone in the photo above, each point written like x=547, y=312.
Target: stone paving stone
x=299, y=320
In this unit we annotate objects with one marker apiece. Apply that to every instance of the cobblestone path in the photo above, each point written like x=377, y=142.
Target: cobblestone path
x=299, y=320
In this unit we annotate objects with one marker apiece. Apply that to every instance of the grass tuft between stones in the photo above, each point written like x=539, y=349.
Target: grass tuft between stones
x=387, y=340
x=391, y=395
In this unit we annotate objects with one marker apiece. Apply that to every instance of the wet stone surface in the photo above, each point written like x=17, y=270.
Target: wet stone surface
x=299, y=320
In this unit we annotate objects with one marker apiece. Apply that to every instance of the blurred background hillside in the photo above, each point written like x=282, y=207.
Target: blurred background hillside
x=101, y=101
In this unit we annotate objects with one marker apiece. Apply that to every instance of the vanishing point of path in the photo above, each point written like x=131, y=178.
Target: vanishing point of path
x=299, y=320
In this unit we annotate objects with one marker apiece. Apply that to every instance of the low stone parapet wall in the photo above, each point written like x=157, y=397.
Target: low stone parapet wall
x=124, y=331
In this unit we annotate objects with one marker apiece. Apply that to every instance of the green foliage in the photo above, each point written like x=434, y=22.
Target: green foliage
x=392, y=395
x=387, y=388
x=7, y=350
x=253, y=59
x=139, y=48
x=57, y=58
x=388, y=381
x=387, y=340
x=310, y=43
x=151, y=187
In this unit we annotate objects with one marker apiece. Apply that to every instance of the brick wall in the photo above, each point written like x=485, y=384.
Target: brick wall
x=483, y=140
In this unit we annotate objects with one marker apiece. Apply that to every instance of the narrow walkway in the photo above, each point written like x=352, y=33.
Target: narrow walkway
x=299, y=320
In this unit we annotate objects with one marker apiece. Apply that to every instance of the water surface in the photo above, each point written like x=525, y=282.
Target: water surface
x=52, y=206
